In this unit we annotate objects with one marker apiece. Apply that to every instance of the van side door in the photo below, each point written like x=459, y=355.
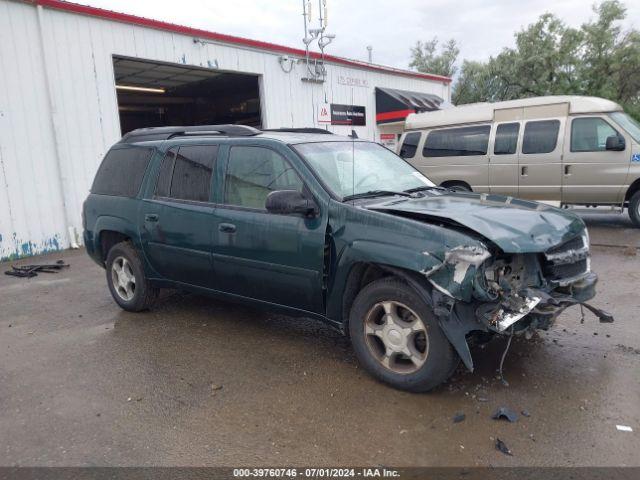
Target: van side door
x=590, y=172
x=503, y=159
x=540, y=160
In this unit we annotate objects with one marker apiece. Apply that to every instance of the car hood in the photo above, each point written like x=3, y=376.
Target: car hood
x=514, y=225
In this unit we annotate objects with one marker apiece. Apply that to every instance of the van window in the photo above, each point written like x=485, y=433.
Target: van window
x=193, y=166
x=540, y=136
x=122, y=171
x=457, y=142
x=410, y=145
x=590, y=134
x=506, y=139
x=253, y=173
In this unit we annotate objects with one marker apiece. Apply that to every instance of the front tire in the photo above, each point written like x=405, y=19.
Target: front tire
x=125, y=277
x=397, y=339
x=634, y=209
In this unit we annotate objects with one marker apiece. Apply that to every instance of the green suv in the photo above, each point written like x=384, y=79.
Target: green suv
x=334, y=228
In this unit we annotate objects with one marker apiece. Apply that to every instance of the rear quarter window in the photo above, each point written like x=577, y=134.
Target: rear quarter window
x=122, y=171
x=457, y=142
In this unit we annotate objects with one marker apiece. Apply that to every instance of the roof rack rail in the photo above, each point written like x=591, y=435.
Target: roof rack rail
x=299, y=130
x=164, y=133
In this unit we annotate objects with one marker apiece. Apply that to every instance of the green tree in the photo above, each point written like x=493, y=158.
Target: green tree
x=550, y=58
x=424, y=57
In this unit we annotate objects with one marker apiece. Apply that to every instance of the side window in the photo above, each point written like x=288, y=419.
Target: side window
x=590, y=134
x=506, y=139
x=122, y=171
x=192, y=166
x=254, y=172
x=410, y=145
x=540, y=136
x=457, y=142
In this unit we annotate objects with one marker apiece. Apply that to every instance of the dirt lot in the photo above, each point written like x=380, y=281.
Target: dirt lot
x=201, y=382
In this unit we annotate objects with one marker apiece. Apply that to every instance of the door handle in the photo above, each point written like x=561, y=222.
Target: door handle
x=151, y=217
x=567, y=170
x=227, y=228
x=524, y=171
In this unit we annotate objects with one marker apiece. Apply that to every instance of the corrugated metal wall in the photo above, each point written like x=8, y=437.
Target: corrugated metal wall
x=59, y=112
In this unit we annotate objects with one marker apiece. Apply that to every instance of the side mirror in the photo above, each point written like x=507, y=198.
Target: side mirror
x=615, y=143
x=285, y=202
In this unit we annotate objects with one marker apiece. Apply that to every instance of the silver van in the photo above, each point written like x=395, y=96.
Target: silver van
x=570, y=150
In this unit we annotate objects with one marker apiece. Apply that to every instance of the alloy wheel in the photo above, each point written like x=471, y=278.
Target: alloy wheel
x=396, y=337
x=123, y=278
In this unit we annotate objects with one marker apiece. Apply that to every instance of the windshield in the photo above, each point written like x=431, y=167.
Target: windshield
x=351, y=168
x=629, y=124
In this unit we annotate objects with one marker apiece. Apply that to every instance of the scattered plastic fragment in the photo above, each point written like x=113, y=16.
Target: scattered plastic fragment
x=506, y=413
x=29, y=271
x=459, y=417
x=624, y=428
x=525, y=413
x=501, y=446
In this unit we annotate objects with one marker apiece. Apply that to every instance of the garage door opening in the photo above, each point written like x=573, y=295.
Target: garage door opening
x=156, y=94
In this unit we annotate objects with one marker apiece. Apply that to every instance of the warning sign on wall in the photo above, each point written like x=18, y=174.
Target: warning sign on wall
x=389, y=140
x=324, y=113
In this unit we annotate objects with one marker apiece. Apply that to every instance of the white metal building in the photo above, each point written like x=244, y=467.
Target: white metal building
x=60, y=110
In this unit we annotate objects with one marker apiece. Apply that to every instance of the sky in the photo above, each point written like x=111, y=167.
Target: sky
x=481, y=27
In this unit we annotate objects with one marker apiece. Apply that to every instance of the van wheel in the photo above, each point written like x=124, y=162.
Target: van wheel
x=125, y=277
x=397, y=339
x=634, y=209
x=457, y=186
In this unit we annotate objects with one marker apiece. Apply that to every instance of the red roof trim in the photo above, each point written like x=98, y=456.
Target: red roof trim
x=195, y=32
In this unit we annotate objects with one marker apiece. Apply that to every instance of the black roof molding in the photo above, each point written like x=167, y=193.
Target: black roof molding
x=299, y=130
x=164, y=133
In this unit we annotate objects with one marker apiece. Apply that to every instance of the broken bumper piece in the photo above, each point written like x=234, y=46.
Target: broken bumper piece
x=505, y=319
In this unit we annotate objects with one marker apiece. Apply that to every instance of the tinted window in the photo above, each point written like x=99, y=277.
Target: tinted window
x=457, y=142
x=254, y=172
x=410, y=145
x=122, y=171
x=192, y=169
x=540, y=137
x=590, y=134
x=164, y=177
x=506, y=139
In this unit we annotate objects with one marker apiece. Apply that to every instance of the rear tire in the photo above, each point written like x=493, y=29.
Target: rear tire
x=458, y=187
x=634, y=209
x=397, y=339
x=125, y=277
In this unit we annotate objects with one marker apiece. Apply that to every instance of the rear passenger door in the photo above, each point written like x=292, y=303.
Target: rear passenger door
x=260, y=255
x=177, y=220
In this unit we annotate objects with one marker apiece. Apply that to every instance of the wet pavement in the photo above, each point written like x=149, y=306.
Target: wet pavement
x=202, y=382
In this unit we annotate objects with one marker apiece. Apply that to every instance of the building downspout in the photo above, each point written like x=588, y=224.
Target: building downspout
x=69, y=229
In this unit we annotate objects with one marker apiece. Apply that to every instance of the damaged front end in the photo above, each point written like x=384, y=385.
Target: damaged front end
x=478, y=290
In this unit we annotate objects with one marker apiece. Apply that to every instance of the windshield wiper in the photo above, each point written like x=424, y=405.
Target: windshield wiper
x=376, y=193
x=423, y=188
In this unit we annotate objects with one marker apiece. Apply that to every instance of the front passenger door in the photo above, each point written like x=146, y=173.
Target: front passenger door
x=260, y=255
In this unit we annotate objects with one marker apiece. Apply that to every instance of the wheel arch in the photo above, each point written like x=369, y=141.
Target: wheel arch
x=632, y=190
x=112, y=230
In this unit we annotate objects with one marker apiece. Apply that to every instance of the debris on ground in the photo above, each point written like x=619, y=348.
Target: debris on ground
x=459, y=417
x=215, y=388
x=501, y=446
x=506, y=413
x=525, y=413
x=624, y=428
x=30, y=271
